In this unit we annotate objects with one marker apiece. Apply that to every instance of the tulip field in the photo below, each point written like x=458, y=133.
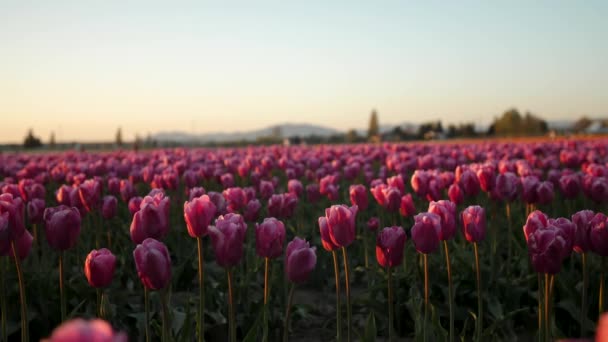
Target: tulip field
x=456, y=241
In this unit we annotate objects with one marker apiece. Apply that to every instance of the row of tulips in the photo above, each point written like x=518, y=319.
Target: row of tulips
x=246, y=185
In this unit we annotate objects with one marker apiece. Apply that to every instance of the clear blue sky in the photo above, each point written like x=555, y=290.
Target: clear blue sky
x=83, y=68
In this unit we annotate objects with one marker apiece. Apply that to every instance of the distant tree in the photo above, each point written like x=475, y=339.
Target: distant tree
x=512, y=123
x=582, y=124
x=277, y=132
x=374, y=128
x=52, y=140
x=119, y=137
x=31, y=141
x=351, y=136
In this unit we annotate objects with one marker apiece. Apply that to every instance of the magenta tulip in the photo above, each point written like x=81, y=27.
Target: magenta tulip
x=152, y=219
x=79, y=330
x=35, y=210
x=236, y=199
x=109, y=207
x=507, y=186
x=358, y=196
x=546, y=249
x=599, y=234
x=269, y=238
x=134, y=204
x=252, y=210
x=198, y=214
x=99, y=268
x=341, y=224
x=455, y=194
x=13, y=208
x=227, y=239
x=406, y=208
x=582, y=235
x=62, y=227
x=545, y=192
x=447, y=212
x=474, y=223
x=153, y=264
x=373, y=223
x=300, y=260
x=90, y=194
x=295, y=187
x=389, y=246
x=426, y=232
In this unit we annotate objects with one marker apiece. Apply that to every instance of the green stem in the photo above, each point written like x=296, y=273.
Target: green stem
x=3, y=298
x=479, y=298
x=426, y=295
x=540, y=310
x=347, y=283
x=231, y=316
x=164, y=297
x=99, y=303
x=390, y=303
x=201, y=293
x=547, y=315
x=584, y=293
x=450, y=290
x=266, y=294
x=601, y=295
x=338, y=306
x=288, y=313
x=24, y=320
x=510, y=237
x=61, y=288
x=147, y=309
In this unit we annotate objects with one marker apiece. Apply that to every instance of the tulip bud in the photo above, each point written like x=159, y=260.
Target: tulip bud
x=99, y=267
x=341, y=224
x=109, y=207
x=227, y=239
x=426, y=232
x=198, y=214
x=79, y=330
x=153, y=264
x=300, y=260
x=582, y=224
x=269, y=238
x=358, y=196
x=389, y=246
x=152, y=219
x=474, y=223
x=62, y=227
x=599, y=234
x=35, y=210
x=90, y=194
x=406, y=207
x=134, y=204
x=252, y=210
x=447, y=212
x=455, y=194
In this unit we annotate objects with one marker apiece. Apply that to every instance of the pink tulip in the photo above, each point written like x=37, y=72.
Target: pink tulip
x=99, y=267
x=455, y=194
x=582, y=223
x=62, y=227
x=127, y=190
x=198, y=214
x=109, y=207
x=544, y=192
x=282, y=205
x=236, y=199
x=341, y=224
x=567, y=230
x=373, y=223
x=447, y=212
x=35, y=210
x=153, y=264
x=266, y=189
x=326, y=240
x=79, y=330
x=599, y=234
x=252, y=210
x=474, y=223
x=487, y=179
x=469, y=183
x=507, y=186
x=406, y=207
x=195, y=192
x=62, y=195
x=152, y=219
x=300, y=260
x=227, y=239
x=389, y=246
x=426, y=232
x=546, y=249
x=358, y=196
x=269, y=238
x=13, y=208
x=535, y=221
x=295, y=187
x=90, y=194
x=134, y=204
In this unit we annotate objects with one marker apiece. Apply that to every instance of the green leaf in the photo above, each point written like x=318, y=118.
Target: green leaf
x=252, y=334
x=370, y=328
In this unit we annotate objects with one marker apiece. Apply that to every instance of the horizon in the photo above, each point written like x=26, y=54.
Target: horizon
x=205, y=68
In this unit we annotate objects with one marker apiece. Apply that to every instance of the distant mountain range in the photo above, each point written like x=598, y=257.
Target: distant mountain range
x=290, y=130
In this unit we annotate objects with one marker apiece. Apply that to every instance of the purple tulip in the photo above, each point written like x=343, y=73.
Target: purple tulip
x=269, y=238
x=199, y=213
x=300, y=260
x=99, y=267
x=426, y=232
x=227, y=239
x=389, y=246
x=153, y=264
x=62, y=227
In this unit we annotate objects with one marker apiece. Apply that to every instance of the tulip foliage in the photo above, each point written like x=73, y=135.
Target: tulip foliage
x=458, y=241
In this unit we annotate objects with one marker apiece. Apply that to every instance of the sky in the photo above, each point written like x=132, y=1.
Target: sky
x=81, y=69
